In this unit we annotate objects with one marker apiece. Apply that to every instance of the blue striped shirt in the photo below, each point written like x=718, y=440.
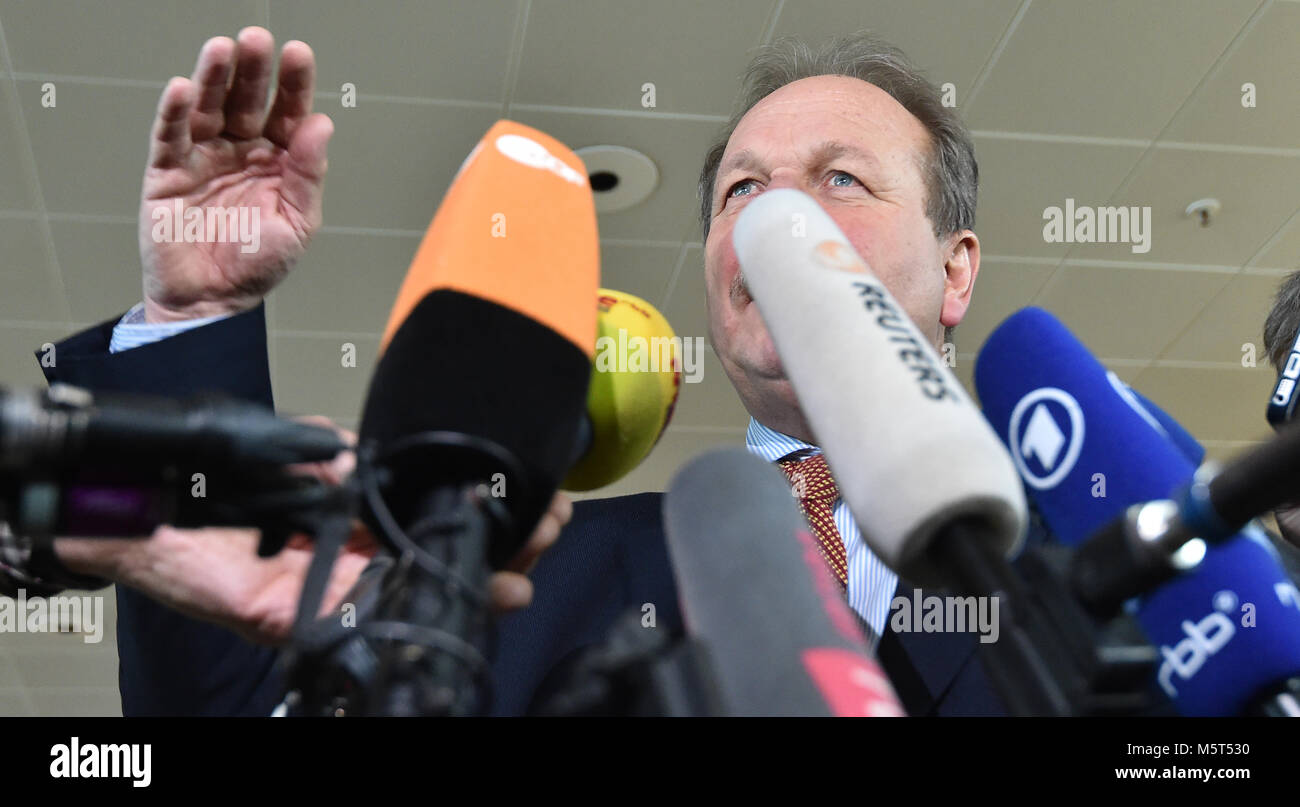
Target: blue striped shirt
x=132, y=331
x=871, y=582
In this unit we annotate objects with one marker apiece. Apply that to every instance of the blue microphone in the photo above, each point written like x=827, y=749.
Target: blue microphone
x=1087, y=449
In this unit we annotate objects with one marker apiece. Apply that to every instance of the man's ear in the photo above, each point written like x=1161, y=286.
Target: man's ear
x=961, y=265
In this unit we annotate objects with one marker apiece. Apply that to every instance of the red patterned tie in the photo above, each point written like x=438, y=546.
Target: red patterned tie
x=812, y=485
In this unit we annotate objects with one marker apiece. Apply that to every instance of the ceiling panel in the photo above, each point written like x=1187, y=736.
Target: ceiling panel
x=18, y=363
x=143, y=40
x=639, y=270
x=31, y=289
x=1232, y=319
x=16, y=189
x=101, y=268
x=1020, y=179
x=1212, y=403
x=1285, y=252
x=950, y=41
x=599, y=53
x=1106, y=68
x=90, y=148
x=1258, y=193
x=1125, y=313
x=390, y=163
x=1266, y=59
x=311, y=378
x=686, y=307
x=346, y=282
x=411, y=47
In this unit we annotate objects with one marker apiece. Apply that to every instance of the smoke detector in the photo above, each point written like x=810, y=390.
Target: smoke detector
x=1203, y=210
x=620, y=177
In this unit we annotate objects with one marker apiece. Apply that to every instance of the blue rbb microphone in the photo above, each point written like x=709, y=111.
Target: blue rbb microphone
x=1087, y=449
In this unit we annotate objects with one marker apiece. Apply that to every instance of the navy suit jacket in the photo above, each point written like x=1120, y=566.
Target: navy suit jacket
x=611, y=558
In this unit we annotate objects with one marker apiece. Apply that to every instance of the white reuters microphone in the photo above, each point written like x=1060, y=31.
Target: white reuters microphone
x=910, y=451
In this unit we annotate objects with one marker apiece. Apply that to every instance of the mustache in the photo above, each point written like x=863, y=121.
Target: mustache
x=739, y=290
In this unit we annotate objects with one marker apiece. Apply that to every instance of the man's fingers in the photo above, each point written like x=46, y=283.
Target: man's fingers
x=211, y=77
x=293, y=95
x=509, y=591
x=170, y=142
x=544, y=535
x=303, y=185
x=245, y=107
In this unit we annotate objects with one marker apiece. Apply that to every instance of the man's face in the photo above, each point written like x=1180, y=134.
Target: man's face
x=859, y=153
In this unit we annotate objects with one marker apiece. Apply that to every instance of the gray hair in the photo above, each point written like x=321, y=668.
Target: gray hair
x=952, y=176
x=1283, y=321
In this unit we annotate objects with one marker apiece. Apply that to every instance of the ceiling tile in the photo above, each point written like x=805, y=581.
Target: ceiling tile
x=950, y=42
x=75, y=176
x=599, y=53
x=16, y=703
x=408, y=48
x=100, y=265
x=1266, y=58
x=1108, y=68
x=390, y=163
x=31, y=290
x=18, y=364
x=344, y=282
x=1128, y=313
x=640, y=270
x=1020, y=179
x=712, y=401
x=9, y=677
x=1259, y=193
x=1232, y=319
x=81, y=702
x=677, y=147
x=1285, y=252
x=16, y=189
x=87, y=666
x=686, y=307
x=1212, y=403
x=131, y=39
x=1001, y=289
x=311, y=379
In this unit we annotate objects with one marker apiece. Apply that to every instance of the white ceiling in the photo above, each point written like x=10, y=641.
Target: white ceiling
x=1133, y=102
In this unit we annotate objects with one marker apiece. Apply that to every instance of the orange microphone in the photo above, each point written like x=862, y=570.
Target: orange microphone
x=491, y=339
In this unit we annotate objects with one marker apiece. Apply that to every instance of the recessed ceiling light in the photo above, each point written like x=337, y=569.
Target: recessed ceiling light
x=620, y=177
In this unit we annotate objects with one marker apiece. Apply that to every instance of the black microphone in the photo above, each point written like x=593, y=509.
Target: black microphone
x=108, y=465
x=475, y=409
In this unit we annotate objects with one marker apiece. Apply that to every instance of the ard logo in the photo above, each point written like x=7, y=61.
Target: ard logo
x=1046, y=436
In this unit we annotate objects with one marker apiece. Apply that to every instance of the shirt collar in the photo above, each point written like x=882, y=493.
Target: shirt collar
x=772, y=445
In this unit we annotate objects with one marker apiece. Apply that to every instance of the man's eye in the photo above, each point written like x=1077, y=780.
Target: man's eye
x=839, y=175
x=732, y=191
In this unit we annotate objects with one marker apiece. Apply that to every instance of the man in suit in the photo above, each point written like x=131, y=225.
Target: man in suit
x=853, y=124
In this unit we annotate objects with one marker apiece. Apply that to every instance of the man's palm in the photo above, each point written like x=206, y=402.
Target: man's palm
x=215, y=145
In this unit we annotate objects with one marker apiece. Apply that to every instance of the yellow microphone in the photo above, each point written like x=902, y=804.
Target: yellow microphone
x=635, y=379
